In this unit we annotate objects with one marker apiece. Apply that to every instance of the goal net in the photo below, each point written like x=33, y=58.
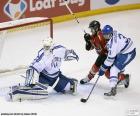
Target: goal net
x=20, y=40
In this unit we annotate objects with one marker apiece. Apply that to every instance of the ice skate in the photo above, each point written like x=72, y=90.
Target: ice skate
x=84, y=80
x=124, y=82
x=113, y=92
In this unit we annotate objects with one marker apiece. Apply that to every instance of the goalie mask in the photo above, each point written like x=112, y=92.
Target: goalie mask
x=47, y=43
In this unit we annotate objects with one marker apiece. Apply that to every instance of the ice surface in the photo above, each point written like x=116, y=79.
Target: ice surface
x=70, y=34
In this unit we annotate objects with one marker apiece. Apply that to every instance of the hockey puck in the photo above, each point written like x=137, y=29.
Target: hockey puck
x=83, y=100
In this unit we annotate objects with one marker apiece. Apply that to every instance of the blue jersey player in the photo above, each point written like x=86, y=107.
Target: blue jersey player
x=121, y=51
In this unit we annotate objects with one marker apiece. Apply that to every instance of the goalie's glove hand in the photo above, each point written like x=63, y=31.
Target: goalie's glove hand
x=71, y=55
x=29, y=76
x=87, y=37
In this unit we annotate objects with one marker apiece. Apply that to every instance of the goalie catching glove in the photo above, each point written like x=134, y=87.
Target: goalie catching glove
x=71, y=55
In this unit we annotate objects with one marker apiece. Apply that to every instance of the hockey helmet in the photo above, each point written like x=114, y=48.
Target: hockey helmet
x=47, y=43
x=94, y=26
x=107, y=31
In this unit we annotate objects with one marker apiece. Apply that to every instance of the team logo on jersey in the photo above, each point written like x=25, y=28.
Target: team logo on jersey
x=112, y=2
x=14, y=9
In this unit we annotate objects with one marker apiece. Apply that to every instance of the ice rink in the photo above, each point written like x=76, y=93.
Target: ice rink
x=21, y=49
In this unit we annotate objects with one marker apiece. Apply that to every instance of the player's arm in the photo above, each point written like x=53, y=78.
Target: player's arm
x=64, y=53
x=87, y=38
x=36, y=66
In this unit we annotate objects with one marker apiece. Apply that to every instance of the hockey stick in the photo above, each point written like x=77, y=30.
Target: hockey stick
x=86, y=99
x=76, y=19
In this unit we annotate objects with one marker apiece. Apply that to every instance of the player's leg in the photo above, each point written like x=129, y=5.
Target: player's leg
x=114, y=71
x=65, y=84
x=123, y=79
x=95, y=68
x=121, y=61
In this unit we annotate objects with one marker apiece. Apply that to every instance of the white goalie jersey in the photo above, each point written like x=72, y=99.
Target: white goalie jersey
x=118, y=44
x=50, y=63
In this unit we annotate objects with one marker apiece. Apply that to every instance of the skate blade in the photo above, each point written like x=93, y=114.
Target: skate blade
x=110, y=97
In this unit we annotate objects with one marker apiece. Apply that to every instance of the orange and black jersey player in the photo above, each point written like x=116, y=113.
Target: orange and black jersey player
x=98, y=42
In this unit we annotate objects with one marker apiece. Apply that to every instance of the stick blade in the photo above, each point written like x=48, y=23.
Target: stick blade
x=83, y=100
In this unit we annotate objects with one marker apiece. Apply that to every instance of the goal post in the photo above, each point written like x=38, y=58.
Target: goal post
x=27, y=23
x=19, y=38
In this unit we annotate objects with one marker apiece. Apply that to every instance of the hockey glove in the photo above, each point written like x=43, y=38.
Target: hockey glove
x=87, y=37
x=29, y=76
x=71, y=55
x=88, y=46
x=102, y=69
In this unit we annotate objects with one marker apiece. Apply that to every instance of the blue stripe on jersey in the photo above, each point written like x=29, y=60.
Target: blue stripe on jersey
x=56, y=47
x=111, y=58
x=41, y=50
x=113, y=77
x=39, y=56
x=127, y=42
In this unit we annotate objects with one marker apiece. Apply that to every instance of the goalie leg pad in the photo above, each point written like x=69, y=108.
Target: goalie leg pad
x=27, y=93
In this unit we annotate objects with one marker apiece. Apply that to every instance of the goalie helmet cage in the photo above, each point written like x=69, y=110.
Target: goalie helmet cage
x=22, y=26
